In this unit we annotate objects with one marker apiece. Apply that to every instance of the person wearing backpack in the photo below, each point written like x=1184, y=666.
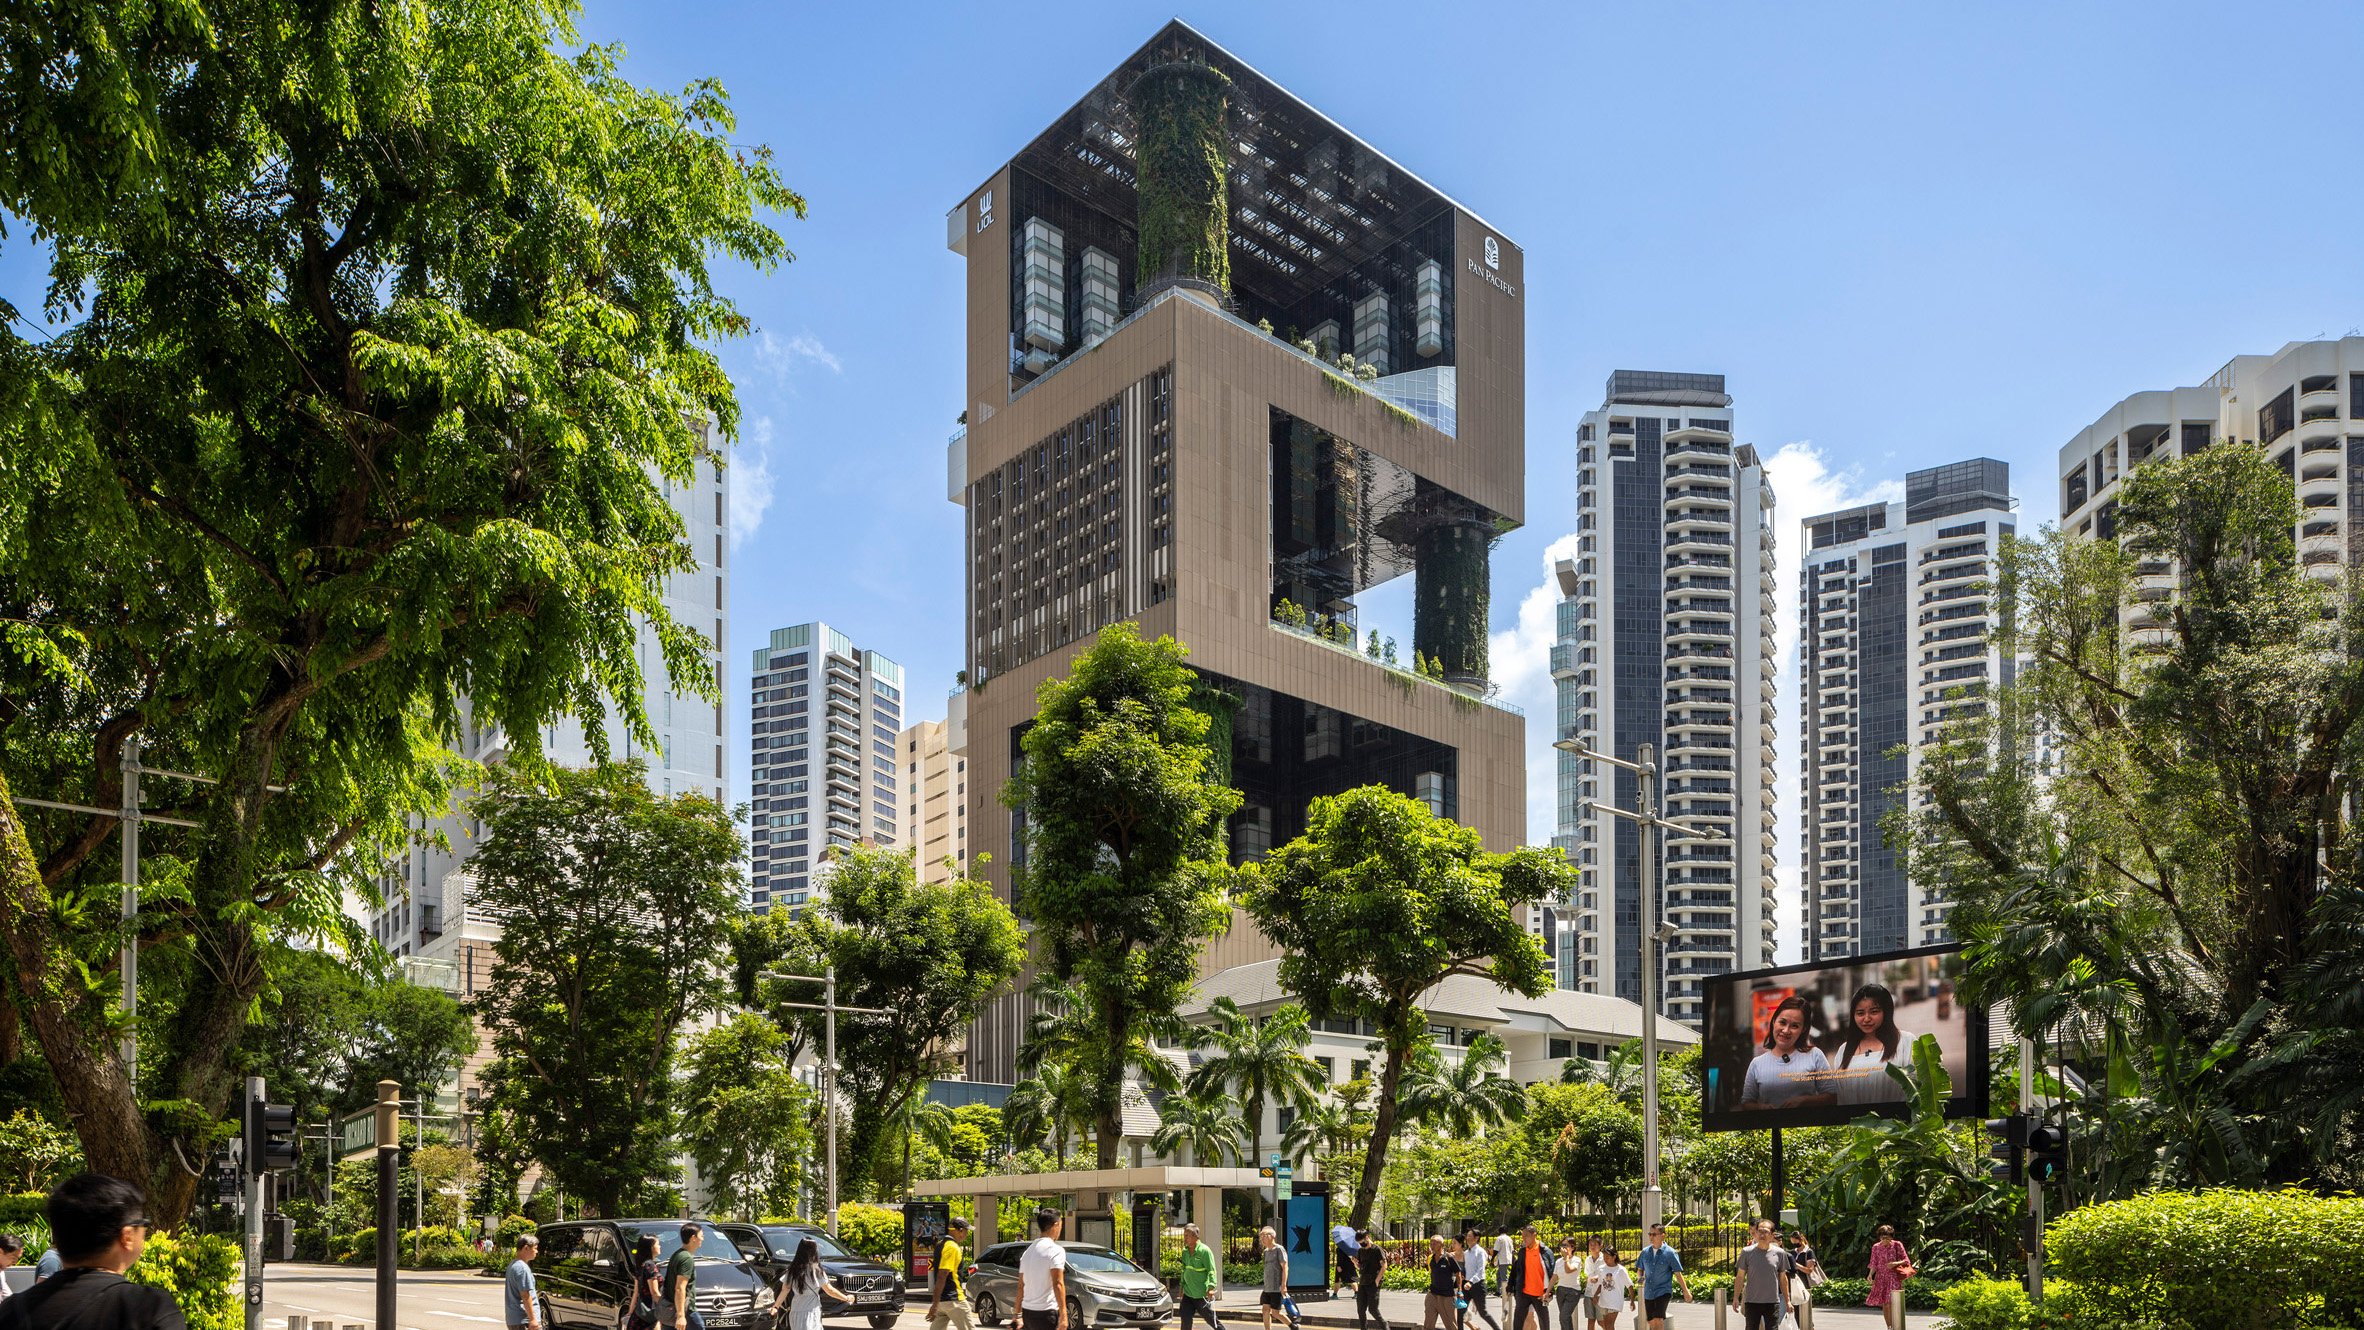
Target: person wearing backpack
x=98, y=1226
x=945, y=1304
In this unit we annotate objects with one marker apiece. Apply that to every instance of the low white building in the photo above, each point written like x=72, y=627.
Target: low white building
x=1541, y=1033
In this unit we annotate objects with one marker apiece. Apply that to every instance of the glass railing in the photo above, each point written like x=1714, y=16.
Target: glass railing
x=1314, y=635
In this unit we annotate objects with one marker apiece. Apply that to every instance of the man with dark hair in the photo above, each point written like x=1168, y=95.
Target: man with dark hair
x=1042, y=1276
x=521, y=1306
x=946, y=1305
x=98, y=1226
x=12, y=1250
x=681, y=1276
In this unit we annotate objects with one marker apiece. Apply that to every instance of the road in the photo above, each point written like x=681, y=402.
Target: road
x=463, y=1300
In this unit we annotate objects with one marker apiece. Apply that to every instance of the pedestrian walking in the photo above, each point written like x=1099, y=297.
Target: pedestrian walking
x=806, y=1284
x=1612, y=1288
x=648, y=1286
x=1042, y=1275
x=49, y=1263
x=1527, y=1274
x=1763, y=1280
x=681, y=1278
x=1369, y=1261
x=1200, y=1274
x=1809, y=1276
x=521, y=1301
x=946, y=1305
x=97, y=1227
x=1444, y=1281
x=12, y=1250
x=1342, y=1250
x=1662, y=1269
x=1567, y=1284
x=1891, y=1265
x=1503, y=1248
x=1473, y=1286
x=1275, y=1293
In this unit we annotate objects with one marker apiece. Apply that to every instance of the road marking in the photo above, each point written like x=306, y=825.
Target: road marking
x=463, y=1316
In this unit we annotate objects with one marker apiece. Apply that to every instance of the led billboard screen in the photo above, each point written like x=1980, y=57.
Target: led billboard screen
x=1810, y=1045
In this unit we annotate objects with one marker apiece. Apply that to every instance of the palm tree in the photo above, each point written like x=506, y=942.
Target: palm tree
x=930, y=1122
x=1621, y=1071
x=1065, y=1031
x=1465, y=1097
x=1049, y=1105
x=1261, y=1060
x=1324, y=1127
x=1208, y=1123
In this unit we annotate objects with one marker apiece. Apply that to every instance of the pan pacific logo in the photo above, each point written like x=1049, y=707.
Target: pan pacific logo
x=1493, y=253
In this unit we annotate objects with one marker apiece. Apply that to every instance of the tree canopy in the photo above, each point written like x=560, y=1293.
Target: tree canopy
x=1124, y=846
x=1378, y=902
x=2150, y=834
x=614, y=906
x=375, y=332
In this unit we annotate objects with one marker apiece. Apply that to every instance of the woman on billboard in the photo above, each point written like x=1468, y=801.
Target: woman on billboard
x=1873, y=1044
x=1789, y=1072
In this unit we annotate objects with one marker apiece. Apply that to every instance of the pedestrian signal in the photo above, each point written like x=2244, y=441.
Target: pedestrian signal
x=270, y=1137
x=2007, y=1147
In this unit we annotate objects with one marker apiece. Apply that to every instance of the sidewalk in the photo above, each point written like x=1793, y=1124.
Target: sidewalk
x=1402, y=1309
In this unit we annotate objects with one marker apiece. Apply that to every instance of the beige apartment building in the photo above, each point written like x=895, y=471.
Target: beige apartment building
x=1290, y=380
x=935, y=792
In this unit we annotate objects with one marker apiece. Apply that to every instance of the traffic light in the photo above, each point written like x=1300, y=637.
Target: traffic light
x=270, y=1137
x=2008, y=1149
x=225, y=1179
x=2047, y=1148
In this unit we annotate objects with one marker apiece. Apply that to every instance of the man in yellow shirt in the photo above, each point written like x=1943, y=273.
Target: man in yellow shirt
x=947, y=1302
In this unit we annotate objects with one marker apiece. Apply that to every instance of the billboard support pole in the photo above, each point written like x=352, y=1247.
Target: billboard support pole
x=1780, y=1178
x=1646, y=779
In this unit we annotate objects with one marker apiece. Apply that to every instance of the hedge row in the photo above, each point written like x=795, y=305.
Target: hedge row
x=201, y=1271
x=2260, y=1260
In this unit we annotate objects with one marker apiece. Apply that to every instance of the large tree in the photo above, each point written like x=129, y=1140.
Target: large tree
x=1122, y=879
x=746, y=1117
x=614, y=906
x=2166, y=888
x=928, y=955
x=331, y=1031
x=374, y=333
x=1379, y=902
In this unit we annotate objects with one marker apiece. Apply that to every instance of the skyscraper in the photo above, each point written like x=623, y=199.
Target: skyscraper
x=2304, y=405
x=1228, y=367
x=936, y=790
x=826, y=716
x=1896, y=612
x=1666, y=638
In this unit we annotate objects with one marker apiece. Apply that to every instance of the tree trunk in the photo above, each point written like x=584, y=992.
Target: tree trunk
x=1366, y=1192
x=97, y=1093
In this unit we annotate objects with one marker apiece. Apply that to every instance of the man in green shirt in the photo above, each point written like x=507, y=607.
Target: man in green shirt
x=1200, y=1278
x=681, y=1277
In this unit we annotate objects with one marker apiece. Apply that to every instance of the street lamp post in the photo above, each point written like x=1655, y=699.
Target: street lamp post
x=1647, y=819
x=828, y=1006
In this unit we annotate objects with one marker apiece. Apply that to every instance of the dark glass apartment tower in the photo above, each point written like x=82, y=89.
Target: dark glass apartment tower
x=1196, y=395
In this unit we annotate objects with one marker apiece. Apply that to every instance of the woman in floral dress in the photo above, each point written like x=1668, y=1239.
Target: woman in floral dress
x=1888, y=1262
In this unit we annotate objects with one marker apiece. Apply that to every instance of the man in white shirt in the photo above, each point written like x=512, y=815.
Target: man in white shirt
x=1504, y=1248
x=1042, y=1276
x=1473, y=1269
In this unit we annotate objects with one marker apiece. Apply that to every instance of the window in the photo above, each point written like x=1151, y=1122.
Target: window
x=1562, y=1048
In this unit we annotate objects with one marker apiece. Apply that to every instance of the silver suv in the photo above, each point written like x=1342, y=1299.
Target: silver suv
x=1103, y=1288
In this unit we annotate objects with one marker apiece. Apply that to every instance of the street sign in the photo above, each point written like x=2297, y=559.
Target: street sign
x=1280, y=1185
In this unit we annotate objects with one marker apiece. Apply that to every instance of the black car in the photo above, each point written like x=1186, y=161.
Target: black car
x=584, y=1272
x=877, y=1288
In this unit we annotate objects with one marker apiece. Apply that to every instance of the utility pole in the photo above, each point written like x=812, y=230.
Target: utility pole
x=2033, y=1234
x=257, y=1179
x=1646, y=820
x=829, y=1008
x=418, y=1181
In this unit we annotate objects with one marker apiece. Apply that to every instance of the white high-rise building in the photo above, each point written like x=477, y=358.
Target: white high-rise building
x=1666, y=638
x=2304, y=405
x=427, y=912
x=827, y=717
x=1895, y=624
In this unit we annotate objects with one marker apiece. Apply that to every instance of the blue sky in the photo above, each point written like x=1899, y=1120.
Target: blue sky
x=1908, y=233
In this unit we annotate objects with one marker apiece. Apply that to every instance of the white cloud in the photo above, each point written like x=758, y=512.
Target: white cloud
x=779, y=359
x=1519, y=659
x=751, y=480
x=1805, y=485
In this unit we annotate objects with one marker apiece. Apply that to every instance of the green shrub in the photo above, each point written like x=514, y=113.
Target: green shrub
x=1846, y=1291
x=2257, y=1259
x=872, y=1230
x=19, y=1208
x=1979, y=1303
x=200, y=1270
x=511, y=1229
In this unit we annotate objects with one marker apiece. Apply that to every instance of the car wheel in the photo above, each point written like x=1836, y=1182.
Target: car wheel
x=1075, y=1316
x=884, y=1321
x=988, y=1311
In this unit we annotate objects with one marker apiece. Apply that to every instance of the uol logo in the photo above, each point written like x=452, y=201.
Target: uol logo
x=985, y=210
x=1493, y=250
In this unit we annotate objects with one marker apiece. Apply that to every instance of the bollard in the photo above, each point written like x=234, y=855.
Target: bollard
x=295, y=1323
x=1806, y=1312
x=1720, y=1325
x=1896, y=1310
